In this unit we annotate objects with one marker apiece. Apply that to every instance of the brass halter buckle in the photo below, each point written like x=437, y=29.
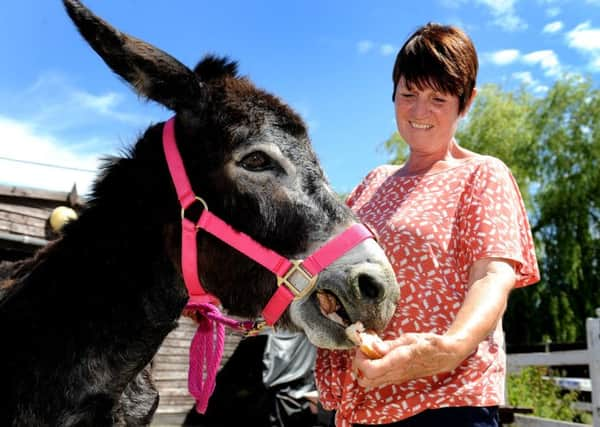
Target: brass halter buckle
x=299, y=281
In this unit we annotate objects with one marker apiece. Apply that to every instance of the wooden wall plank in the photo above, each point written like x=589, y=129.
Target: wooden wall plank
x=171, y=363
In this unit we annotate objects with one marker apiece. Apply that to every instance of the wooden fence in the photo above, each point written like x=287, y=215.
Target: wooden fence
x=589, y=356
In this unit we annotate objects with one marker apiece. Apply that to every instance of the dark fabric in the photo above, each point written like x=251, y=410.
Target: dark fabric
x=288, y=411
x=288, y=375
x=464, y=416
x=241, y=398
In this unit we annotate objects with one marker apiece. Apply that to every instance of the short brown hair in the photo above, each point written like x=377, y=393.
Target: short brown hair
x=441, y=57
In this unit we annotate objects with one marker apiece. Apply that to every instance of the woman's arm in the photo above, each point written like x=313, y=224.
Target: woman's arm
x=415, y=355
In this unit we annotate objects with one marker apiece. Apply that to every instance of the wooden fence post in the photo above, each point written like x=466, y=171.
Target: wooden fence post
x=593, y=344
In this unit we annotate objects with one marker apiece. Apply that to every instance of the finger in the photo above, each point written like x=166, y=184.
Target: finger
x=365, y=382
x=370, y=368
x=372, y=382
x=382, y=347
x=404, y=339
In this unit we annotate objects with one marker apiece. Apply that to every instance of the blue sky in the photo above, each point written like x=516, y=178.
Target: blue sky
x=330, y=60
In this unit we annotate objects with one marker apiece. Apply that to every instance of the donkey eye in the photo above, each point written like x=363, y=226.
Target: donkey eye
x=256, y=161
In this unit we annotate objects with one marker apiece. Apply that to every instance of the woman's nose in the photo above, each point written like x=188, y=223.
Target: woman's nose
x=420, y=107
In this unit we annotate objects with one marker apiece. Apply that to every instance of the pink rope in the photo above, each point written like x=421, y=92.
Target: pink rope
x=206, y=350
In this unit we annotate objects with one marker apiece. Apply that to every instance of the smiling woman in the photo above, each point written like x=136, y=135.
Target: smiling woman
x=455, y=228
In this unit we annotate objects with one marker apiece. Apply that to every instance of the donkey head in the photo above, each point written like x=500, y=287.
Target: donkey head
x=248, y=156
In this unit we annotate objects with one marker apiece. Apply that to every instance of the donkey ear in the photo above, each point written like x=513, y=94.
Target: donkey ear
x=153, y=73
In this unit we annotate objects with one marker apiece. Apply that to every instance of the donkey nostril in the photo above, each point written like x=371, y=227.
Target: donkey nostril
x=369, y=287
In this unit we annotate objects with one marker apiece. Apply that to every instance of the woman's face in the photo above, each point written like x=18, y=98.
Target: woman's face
x=426, y=119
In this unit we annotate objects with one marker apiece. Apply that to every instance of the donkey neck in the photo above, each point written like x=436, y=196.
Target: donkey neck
x=106, y=289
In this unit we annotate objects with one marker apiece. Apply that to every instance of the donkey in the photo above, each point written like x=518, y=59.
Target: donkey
x=81, y=320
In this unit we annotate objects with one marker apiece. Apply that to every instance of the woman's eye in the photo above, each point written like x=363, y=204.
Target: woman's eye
x=256, y=161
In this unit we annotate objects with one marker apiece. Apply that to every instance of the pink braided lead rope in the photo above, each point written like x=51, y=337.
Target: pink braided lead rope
x=206, y=349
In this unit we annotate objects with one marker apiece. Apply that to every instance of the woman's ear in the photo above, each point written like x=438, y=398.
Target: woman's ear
x=469, y=103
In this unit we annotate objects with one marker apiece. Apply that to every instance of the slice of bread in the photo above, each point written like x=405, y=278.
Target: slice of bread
x=364, y=339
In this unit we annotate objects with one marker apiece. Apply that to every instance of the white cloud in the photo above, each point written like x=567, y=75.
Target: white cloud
x=387, y=49
x=586, y=39
x=57, y=101
x=104, y=104
x=553, y=27
x=526, y=78
x=364, y=46
x=452, y=4
x=552, y=7
x=504, y=14
x=26, y=144
x=503, y=57
x=546, y=59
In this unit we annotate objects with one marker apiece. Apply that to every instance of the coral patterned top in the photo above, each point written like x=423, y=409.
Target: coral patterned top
x=433, y=227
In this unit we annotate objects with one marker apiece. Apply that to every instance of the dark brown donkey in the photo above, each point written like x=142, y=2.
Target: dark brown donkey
x=81, y=320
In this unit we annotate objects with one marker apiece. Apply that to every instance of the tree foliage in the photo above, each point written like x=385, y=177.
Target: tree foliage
x=567, y=141
x=552, y=146
x=531, y=388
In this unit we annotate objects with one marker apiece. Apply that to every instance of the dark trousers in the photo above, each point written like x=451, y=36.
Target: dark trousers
x=463, y=416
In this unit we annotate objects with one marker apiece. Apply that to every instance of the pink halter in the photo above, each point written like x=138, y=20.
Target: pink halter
x=295, y=278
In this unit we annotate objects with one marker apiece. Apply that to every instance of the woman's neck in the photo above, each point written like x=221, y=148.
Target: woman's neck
x=421, y=163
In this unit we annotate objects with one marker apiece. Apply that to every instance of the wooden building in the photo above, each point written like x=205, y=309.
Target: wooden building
x=25, y=218
x=25, y=226
x=170, y=367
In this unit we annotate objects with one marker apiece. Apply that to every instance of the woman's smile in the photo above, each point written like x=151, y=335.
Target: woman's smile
x=417, y=125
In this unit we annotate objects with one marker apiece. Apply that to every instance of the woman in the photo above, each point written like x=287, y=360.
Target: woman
x=455, y=229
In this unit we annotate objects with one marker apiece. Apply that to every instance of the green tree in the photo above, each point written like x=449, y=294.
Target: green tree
x=567, y=143
x=552, y=146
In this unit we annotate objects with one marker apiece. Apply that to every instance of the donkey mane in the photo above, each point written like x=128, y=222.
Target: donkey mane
x=213, y=67
x=246, y=103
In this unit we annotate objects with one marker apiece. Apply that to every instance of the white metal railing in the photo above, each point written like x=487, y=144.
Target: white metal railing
x=590, y=357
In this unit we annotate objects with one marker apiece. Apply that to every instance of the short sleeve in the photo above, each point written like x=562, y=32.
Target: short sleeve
x=495, y=224
x=372, y=177
x=359, y=189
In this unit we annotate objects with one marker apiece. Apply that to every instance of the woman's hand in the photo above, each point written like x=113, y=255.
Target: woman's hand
x=416, y=355
x=408, y=357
